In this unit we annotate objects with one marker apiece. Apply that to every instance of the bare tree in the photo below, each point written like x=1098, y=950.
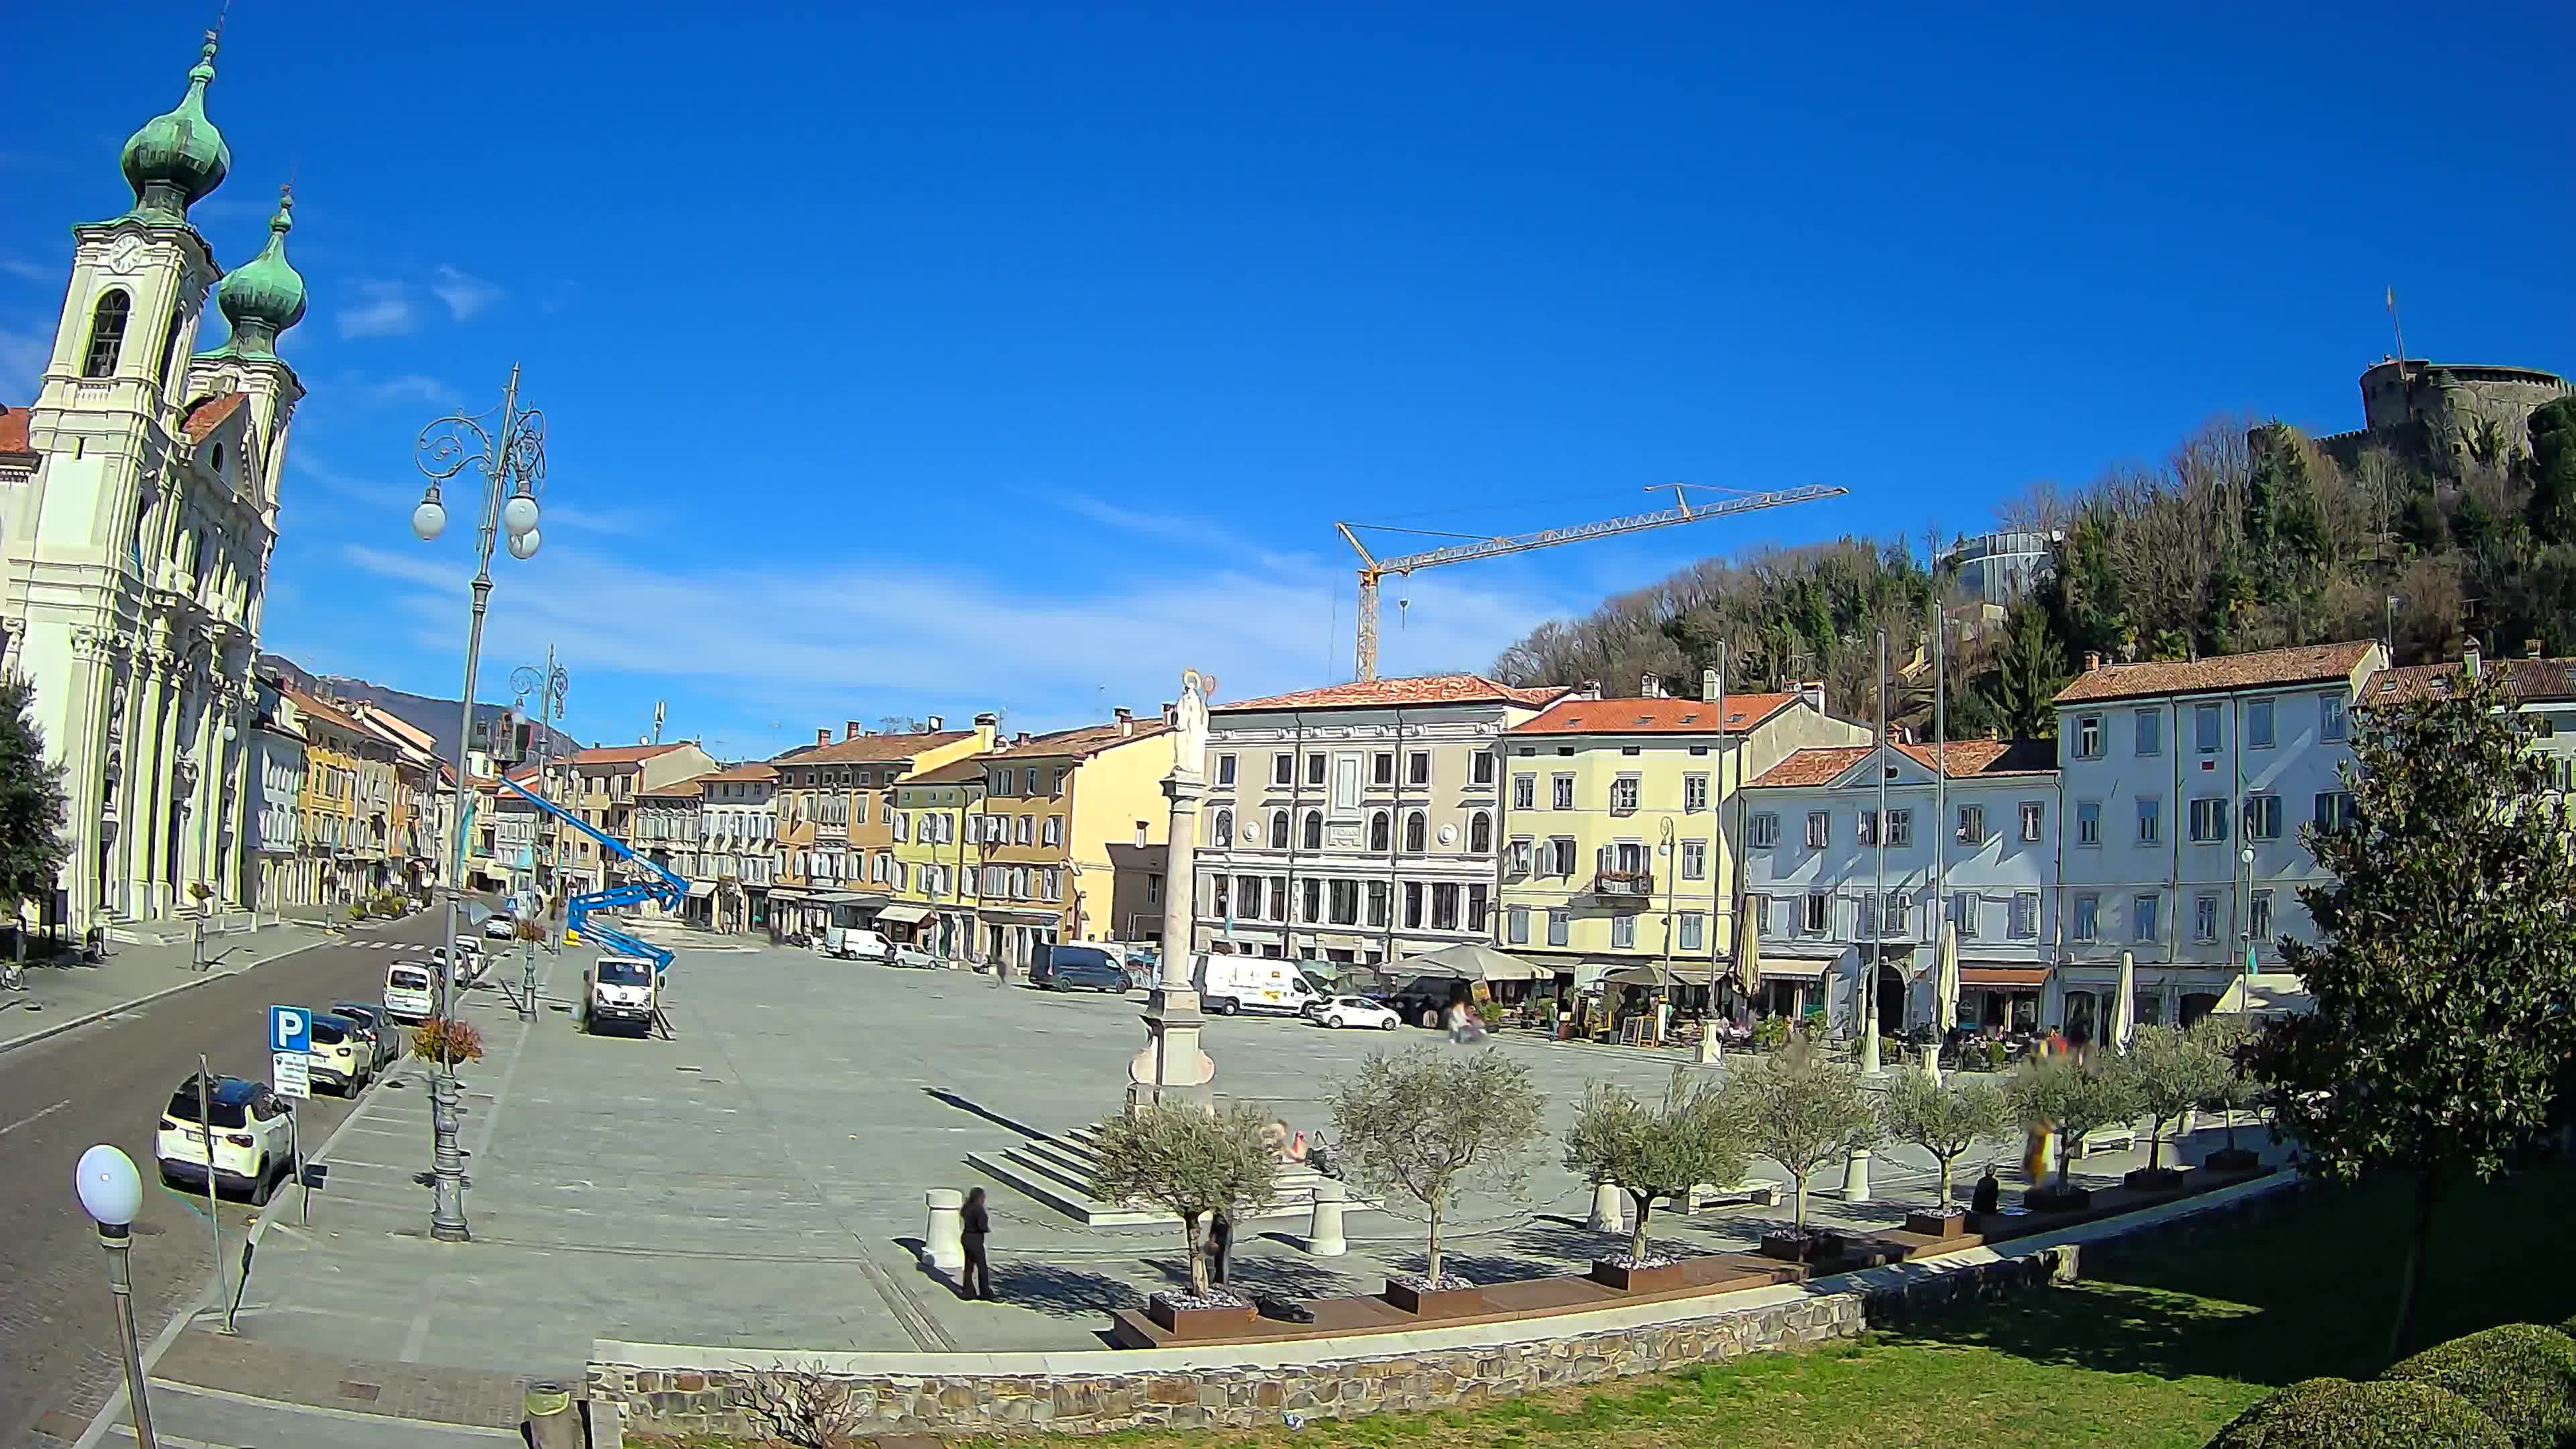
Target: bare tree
x=802, y=1405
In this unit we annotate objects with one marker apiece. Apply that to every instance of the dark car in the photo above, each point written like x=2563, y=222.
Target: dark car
x=1423, y=1000
x=1077, y=968
x=378, y=1026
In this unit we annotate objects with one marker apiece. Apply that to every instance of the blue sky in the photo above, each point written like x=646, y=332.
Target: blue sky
x=932, y=359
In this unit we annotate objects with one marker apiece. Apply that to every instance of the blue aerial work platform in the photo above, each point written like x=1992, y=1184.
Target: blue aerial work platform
x=656, y=884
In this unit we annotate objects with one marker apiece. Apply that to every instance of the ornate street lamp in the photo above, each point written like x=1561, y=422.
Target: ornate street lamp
x=111, y=1192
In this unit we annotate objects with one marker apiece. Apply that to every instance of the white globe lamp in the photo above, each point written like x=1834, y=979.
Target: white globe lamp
x=519, y=515
x=111, y=1191
x=429, y=520
x=524, y=545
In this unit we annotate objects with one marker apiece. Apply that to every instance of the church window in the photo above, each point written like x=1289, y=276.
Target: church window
x=169, y=345
x=106, y=333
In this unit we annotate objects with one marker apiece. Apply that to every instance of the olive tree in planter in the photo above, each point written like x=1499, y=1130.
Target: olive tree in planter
x=2226, y=1037
x=1802, y=1112
x=1428, y=1123
x=1197, y=1166
x=2073, y=1098
x=1946, y=1120
x=2172, y=1072
x=1695, y=1136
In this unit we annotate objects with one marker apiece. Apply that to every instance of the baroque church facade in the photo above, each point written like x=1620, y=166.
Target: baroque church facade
x=138, y=499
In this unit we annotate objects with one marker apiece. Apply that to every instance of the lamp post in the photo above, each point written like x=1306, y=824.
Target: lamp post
x=510, y=453
x=111, y=1192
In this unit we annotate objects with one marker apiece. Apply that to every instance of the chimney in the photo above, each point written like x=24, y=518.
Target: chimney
x=1171, y=714
x=1651, y=687
x=850, y=729
x=1126, y=720
x=822, y=737
x=2530, y=648
x=2469, y=657
x=1813, y=692
x=935, y=723
x=1708, y=685
x=987, y=725
x=2092, y=661
x=1021, y=738
x=1591, y=690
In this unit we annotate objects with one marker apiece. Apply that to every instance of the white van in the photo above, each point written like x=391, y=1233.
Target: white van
x=410, y=993
x=857, y=943
x=1228, y=984
x=620, y=991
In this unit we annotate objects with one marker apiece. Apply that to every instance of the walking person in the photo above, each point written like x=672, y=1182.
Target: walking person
x=974, y=1223
x=1220, y=1248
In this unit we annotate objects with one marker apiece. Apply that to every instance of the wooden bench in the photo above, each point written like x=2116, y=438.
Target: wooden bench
x=1759, y=1191
x=2103, y=1139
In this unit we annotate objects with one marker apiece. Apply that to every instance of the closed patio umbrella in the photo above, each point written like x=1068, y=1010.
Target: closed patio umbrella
x=1945, y=993
x=1748, y=954
x=2124, y=1012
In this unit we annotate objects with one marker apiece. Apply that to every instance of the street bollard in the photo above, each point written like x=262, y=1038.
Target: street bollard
x=553, y=1422
x=1708, y=1048
x=1856, y=1176
x=1324, y=1234
x=1609, y=1209
x=943, y=1243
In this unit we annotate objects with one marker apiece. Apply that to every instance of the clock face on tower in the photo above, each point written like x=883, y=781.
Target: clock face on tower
x=125, y=256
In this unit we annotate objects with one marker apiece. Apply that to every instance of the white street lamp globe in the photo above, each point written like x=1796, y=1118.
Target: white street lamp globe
x=111, y=1191
x=519, y=515
x=429, y=520
x=524, y=545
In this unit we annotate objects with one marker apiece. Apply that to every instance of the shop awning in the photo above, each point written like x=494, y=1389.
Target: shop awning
x=1003, y=916
x=1471, y=961
x=701, y=889
x=1801, y=968
x=905, y=915
x=2007, y=978
x=1667, y=975
x=2272, y=993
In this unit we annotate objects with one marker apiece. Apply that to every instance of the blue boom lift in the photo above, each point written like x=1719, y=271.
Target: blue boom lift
x=657, y=884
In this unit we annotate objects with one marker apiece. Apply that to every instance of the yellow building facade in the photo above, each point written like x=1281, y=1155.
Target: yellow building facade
x=1621, y=846
x=934, y=859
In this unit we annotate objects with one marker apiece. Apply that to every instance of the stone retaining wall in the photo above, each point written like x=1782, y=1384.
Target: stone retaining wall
x=1172, y=1394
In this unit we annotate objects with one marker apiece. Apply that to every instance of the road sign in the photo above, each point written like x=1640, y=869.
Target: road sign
x=290, y=1074
x=290, y=1029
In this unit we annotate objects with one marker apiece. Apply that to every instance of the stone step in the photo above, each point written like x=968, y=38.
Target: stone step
x=1060, y=1172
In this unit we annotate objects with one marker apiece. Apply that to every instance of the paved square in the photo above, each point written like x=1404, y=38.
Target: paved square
x=757, y=1181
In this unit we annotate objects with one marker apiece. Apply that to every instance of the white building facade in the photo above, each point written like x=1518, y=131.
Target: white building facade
x=1836, y=890
x=138, y=497
x=2185, y=784
x=1356, y=822
x=273, y=868
x=738, y=844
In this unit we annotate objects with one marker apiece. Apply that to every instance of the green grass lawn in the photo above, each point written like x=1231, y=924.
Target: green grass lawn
x=2158, y=1351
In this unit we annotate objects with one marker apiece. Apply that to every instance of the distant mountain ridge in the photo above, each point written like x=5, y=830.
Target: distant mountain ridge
x=435, y=717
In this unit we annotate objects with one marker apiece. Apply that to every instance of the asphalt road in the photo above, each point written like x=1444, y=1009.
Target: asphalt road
x=107, y=1083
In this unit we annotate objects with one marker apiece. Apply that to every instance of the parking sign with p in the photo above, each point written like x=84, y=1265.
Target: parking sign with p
x=290, y=1029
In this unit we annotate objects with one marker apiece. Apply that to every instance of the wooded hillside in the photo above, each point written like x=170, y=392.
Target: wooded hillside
x=2243, y=539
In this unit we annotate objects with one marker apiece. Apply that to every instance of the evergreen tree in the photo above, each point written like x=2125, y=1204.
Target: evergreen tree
x=33, y=848
x=2552, y=469
x=2448, y=957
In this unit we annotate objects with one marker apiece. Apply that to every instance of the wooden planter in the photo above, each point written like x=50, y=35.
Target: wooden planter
x=2160, y=1179
x=2233, y=1159
x=1438, y=1302
x=1189, y=1323
x=1789, y=1246
x=2054, y=1199
x=1657, y=1279
x=1952, y=1224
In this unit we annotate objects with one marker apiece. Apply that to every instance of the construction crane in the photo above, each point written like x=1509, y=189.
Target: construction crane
x=1374, y=569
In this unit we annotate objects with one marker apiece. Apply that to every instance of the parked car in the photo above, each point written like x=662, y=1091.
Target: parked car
x=914, y=957
x=858, y=943
x=384, y=1038
x=339, y=1058
x=1341, y=1011
x=501, y=928
x=1077, y=967
x=253, y=1139
x=411, y=992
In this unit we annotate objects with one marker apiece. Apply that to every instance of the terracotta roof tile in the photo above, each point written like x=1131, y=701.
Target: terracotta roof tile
x=1968, y=759
x=13, y=431
x=328, y=712
x=209, y=415
x=868, y=749
x=2532, y=679
x=2301, y=664
x=1080, y=742
x=619, y=754
x=1652, y=716
x=754, y=771
x=690, y=788
x=1420, y=689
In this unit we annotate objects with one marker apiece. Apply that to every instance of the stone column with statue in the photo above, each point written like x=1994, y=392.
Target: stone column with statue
x=1172, y=1068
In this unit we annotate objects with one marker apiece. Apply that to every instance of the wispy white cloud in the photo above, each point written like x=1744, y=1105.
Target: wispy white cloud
x=31, y=271
x=464, y=294
x=615, y=522
x=413, y=387
x=1046, y=653
x=1209, y=541
x=387, y=312
x=376, y=492
x=22, y=362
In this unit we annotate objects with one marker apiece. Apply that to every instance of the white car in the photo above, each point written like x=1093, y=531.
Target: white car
x=500, y=928
x=253, y=1146
x=1343, y=1011
x=339, y=1056
x=410, y=993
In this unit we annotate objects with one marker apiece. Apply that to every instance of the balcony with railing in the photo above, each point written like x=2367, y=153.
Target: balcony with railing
x=1624, y=884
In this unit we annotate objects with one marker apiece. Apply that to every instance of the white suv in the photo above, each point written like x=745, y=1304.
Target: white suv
x=253, y=1149
x=340, y=1055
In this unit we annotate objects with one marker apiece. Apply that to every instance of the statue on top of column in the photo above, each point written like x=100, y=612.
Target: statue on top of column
x=1190, y=731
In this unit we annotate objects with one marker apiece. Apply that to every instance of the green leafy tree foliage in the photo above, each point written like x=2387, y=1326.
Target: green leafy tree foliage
x=33, y=848
x=1801, y=1111
x=2173, y=1071
x=2521, y=1375
x=1944, y=1119
x=2341, y=1414
x=2448, y=961
x=1433, y=1121
x=2552, y=510
x=2073, y=1098
x=1656, y=1152
x=2225, y=1038
x=2029, y=670
x=1191, y=1163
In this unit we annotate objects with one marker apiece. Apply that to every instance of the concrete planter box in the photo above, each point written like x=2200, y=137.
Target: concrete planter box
x=1951, y=1224
x=1657, y=1279
x=2158, y=1179
x=1435, y=1302
x=2233, y=1159
x=1789, y=1246
x=2051, y=1198
x=1188, y=1323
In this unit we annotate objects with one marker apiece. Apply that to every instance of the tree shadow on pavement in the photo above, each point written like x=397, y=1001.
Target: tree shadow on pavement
x=1059, y=1290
